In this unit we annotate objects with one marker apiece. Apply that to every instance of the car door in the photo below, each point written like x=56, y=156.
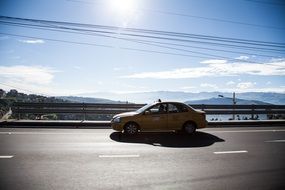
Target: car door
x=154, y=118
x=177, y=116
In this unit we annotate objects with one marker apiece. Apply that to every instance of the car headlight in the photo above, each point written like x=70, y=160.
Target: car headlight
x=117, y=120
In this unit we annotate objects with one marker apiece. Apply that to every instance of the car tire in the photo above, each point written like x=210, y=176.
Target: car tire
x=131, y=128
x=189, y=128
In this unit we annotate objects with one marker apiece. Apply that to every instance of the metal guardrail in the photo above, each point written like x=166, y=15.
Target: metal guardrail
x=19, y=108
x=241, y=109
x=88, y=108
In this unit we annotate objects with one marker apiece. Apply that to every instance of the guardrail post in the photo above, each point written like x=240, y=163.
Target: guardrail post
x=18, y=111
x=252, y=111
x=84, y=113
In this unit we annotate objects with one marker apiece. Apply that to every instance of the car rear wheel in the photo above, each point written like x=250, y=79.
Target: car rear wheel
x=131, y=128
x=189, y=128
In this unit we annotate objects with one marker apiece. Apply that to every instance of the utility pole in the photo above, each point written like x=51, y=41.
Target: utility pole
x=234, y=103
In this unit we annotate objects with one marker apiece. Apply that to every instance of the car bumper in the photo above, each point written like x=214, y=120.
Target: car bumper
x=117, y=126
x=202, y=124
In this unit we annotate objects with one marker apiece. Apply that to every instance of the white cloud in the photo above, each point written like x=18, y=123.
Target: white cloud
x=268, y=83
x=187, y=87
x=277, y=59
x=27, y=74
x=28, y=88
x=207, y=85
x=36, y=41
x=214, y=61
x=174, y=74
x=77, y=67
x=117, y=69
x=280, y=89
x=245, y=85
x=230, y=83
x=100, y=83
x=242, y=57
x=218, y=69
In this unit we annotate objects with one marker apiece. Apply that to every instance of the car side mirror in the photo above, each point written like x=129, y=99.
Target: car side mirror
x=147, y=112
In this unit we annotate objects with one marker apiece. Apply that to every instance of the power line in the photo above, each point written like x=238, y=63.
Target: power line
x=138, y=40
x=196, y=16
x=135, y=40
x=54, y=26
x=216, y=19
x=205, y=48
x=205, y=55
x=153, y=42
x=147, y=31
x=106, y=46
x=210, y=40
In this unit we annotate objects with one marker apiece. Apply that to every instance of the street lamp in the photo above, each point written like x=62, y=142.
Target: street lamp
x=234, y=102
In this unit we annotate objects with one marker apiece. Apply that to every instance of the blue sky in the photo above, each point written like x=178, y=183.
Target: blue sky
x=67, y=63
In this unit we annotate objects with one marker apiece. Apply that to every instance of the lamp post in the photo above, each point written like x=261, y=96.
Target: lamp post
x=234, y=102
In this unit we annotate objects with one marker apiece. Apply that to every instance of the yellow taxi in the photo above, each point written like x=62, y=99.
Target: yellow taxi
x=160, y=116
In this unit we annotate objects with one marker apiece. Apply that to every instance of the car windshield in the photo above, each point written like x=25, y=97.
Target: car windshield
x=142, y=109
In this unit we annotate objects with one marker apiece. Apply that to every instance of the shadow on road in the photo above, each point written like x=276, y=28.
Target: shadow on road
x=199, y=139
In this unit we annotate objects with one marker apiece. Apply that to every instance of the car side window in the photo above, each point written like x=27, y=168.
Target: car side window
x=172, y=108
x=157, y=109
x=182, y=108
x=177, y=108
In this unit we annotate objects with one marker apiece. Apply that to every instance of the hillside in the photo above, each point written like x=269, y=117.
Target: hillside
x=147, y=97
x=226, y=101
x=8, y=98
x=89, y=100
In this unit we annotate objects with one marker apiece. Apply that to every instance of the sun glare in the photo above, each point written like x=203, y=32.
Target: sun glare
x=123, y=8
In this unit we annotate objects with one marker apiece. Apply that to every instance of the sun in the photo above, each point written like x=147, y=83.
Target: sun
x=124, y=12
x=123, y=8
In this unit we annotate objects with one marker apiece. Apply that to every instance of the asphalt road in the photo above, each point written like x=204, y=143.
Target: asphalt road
x=216, y=158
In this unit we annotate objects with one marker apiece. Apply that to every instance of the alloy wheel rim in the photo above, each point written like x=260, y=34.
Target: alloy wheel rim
x=189, y=128
x=131, y=129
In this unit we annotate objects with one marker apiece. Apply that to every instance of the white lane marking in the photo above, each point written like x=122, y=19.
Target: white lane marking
x=47, y=133
x=119, y=156
x=10, y=156
x=92, y=133
x=248, y=131
x=273, y=141
x=231, y=152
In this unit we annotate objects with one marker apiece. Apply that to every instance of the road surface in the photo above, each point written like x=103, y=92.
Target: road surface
x=214, y=158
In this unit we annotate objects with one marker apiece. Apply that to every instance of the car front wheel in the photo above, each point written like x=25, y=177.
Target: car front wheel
x=131, y=128
x=189, y=128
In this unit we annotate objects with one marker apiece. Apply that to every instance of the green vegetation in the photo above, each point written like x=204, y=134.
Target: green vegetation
x=8, y=98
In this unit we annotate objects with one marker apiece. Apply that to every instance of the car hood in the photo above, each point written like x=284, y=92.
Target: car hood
x=201, y=112
x=126, y=114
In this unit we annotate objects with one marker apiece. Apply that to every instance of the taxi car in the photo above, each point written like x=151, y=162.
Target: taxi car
x=160, y=116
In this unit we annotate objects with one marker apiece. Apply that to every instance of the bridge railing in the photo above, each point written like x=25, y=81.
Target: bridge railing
x=19, y=108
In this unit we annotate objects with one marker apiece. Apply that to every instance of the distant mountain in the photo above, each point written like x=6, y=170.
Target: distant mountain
x=147, y=97
x=270, y=97
x=78, y=99
x=226, y=101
